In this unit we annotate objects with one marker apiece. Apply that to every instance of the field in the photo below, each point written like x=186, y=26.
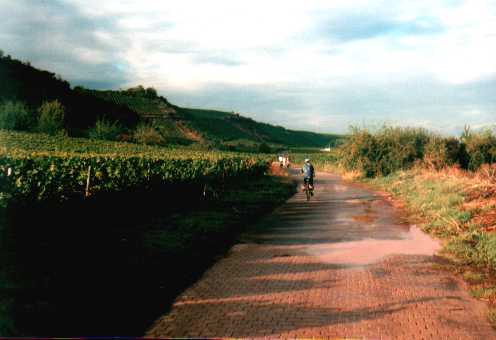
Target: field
x=322, y=161
x=104, y=219
x=41, y=167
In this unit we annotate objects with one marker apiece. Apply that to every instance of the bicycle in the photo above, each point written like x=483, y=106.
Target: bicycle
x=308, y=188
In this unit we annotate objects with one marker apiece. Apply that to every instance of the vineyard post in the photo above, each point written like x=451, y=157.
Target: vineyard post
x=87, y=191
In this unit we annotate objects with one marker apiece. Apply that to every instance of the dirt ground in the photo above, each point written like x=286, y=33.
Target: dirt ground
x=342, y=265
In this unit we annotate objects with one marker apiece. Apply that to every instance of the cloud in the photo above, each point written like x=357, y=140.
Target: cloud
x=217, y=58
x=320, y=65
x=361, y=25
x=56, y=36
x=424, y=103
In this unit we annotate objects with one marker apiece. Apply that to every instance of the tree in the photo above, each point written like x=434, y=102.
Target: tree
x=15, y=116
x=151, y=93
x=466, y=134
x=51, y=117
x=136, y=91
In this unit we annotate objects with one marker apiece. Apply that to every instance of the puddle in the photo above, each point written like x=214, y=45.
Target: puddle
x=354, y=201
x=347, y=226
x=368, y=251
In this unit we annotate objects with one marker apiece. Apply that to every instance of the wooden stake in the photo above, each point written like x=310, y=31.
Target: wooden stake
x=87, y=192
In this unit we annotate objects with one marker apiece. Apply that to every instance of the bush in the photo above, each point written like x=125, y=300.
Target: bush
x=480, y=148
x=383, y=152
x=359, y=152
x=441, y=152
x=105, y=130
x=51, y=117
x=146, y=134
x=15, y=116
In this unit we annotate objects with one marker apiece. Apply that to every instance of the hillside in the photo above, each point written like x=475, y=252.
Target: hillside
x=22, y=82
x=232, y=128
x=196, y=125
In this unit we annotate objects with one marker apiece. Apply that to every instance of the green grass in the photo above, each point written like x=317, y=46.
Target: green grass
x=155, y=246
x=233, y=209
x=437, y=201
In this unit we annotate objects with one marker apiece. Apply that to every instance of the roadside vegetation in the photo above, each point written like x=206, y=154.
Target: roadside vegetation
x=448, y=185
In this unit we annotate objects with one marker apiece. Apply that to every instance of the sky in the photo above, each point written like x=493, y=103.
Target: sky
x=316, y=65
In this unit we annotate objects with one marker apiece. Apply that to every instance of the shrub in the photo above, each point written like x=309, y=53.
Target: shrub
x=387, y=150
x=51, y=117
x=441, y=152
x=105, y=130
x=146, y=134
x=480, y=148
x=15, y=116
x=151, y=93
x=359, y=152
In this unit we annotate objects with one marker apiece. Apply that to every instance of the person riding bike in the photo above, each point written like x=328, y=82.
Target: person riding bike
x=308, y=174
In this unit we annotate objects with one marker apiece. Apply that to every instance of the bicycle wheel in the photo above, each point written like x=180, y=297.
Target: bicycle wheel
x=307, y=192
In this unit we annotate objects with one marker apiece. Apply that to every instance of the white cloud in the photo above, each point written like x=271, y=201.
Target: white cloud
x=251, y=31
x=307, y=50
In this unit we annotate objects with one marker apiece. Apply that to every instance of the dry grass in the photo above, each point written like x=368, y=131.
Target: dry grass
x=460, y=207
x=352, y=175
x=481, y=198
x=479, y=191
x=492, y=316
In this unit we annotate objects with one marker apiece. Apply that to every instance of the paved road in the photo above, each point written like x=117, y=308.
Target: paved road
x=341, y=265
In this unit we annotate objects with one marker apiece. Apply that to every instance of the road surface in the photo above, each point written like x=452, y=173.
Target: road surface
x=341, y=265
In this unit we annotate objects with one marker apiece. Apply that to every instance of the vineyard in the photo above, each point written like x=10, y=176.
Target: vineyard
x=114, y=212
x=38, y=167
x=138, y=100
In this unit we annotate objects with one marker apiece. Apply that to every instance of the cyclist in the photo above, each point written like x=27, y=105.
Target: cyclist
x=308, y=174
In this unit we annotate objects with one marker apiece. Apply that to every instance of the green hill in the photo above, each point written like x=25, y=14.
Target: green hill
x=224, y=128
x=232, y=128
x=22, y=82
